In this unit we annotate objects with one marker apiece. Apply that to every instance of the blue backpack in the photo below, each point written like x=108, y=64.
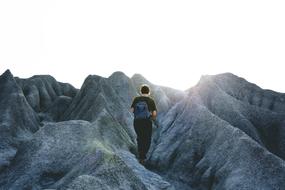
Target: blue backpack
x=141, y=110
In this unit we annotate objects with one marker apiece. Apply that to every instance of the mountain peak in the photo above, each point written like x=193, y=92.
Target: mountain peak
x=92, y=79
x=118, y=74
x=224, y=79
x=7, y=74
x=8, y=83
x=222, y=75
x=137, y=75
x=139, y=79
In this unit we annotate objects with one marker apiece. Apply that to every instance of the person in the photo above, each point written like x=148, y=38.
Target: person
x=144, y=110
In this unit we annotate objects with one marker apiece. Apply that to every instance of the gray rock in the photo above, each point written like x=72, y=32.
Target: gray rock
x=120, y=172
x=211, y=140
x=79, y=155
x=96, y=96
x=17, y=119
x=42, y=90
x=261, y=123
x=57, y=108
x=224, y=133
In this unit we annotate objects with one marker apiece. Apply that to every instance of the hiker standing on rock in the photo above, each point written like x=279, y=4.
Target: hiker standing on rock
x=145, y=112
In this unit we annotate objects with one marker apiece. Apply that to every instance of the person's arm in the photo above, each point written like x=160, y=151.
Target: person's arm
x=153, y=114
x=132, y=106
x=132, y=110
x=154, y=110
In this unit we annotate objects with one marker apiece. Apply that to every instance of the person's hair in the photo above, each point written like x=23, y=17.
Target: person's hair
x=145, y=89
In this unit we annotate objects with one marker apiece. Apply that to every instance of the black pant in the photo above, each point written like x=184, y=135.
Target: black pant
x=143, y=128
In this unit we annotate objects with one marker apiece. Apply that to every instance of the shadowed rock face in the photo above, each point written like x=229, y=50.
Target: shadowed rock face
x=17, y=119
x=224, y=133
x=47, y=96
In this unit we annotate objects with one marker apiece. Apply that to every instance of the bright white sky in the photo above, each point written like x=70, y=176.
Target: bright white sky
x=171, y=43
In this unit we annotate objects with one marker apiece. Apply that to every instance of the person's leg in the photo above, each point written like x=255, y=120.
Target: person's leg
x=139, y=132
x=146, y=137
x=148, y=133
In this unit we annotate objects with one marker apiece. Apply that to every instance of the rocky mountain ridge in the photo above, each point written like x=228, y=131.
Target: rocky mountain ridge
x=223, y=133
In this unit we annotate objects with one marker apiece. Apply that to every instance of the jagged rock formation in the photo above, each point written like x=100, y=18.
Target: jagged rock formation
x=221, y=142
x=46, y=95
x=224, y=133
x=17, y=120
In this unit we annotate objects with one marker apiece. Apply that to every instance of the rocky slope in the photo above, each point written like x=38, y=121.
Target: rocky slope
x=224, y=133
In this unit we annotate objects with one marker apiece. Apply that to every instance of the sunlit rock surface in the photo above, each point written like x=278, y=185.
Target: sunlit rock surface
x=224, y=133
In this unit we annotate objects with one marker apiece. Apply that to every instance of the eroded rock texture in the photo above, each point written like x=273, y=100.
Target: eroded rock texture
x=223, y=134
